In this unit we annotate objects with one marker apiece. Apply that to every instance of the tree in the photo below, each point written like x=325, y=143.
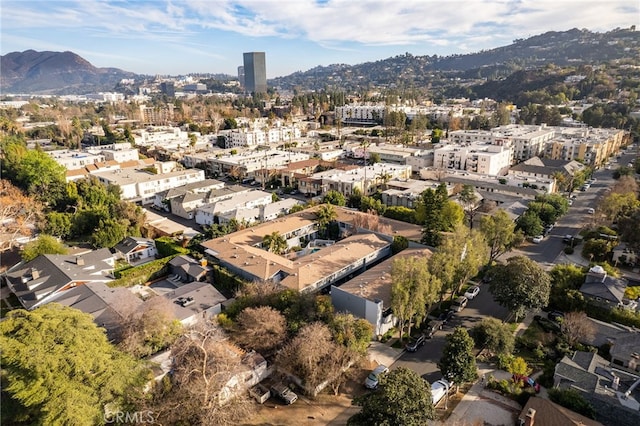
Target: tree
x=203, y=366
x=573, y=400
x=325, y=214
x=500, y=234
x=458, y=258
x=60, y=367
x=109, y=233
x=41, y=176
x=458, y=362
x=150, y=328
x=468, y=199
x=17, y=211
x=275, y=243
x=262, y=329
x=494, y=335
x=413, y=290
x=452, y=215
x=402, y=398
x=374, y=158
x=530, y=223
x=517, y=365
x=429, y=213
x=520, y=285
x=44, y=244
x=353, y=333
x=335, y=198
x=566, y=280
x=576, y=327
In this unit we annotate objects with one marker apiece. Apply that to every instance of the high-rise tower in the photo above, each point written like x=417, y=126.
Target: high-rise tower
x=255, y=72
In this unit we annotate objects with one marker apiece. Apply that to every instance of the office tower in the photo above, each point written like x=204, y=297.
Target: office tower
x=255, y=72
x=241, y=75
x=167, y=88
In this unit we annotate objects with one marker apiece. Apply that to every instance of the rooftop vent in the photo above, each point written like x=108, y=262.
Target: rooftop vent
x=79, y=261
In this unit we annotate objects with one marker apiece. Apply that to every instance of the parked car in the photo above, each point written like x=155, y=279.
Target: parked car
x=538, y=239
x=556, y=316
x=284, y=393
x=526, y=381
x=472, y=292
x=570, y=202
x=439, y=389
x=371, y=382
x=591, y=210
x=459, y=304
x=446, y=316
x=567, y=238
x=546, y=324
x=415, y=344
x=431, y=328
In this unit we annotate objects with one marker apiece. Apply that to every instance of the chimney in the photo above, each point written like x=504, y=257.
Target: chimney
x=530, y=418
x=79, y=261
x=35, y=274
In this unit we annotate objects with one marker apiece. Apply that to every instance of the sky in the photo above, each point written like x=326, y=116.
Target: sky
x=179, y=37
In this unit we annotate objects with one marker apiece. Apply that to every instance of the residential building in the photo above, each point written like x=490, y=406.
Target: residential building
x=140, y=185
x=247, y=164
x=136, y=250
x=593, y=146
x=485, y=159
x=368, y=295
x=542, y=412
x=555, y=171
x=360, y=114
x=73, y=160
x=187, y=269
x=156, y=115
x=395, y=154
x=603, y=290
x=405, y=193
x=207, y=214
x=195, y=301
x=625, y=352
x=255, y=72
x=40, y=280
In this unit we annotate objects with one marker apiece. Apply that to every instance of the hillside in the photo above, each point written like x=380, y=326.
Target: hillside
x=573, y=47
x=54, y=73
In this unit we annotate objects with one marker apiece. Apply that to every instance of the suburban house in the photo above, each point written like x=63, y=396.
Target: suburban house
x=184, y=199
x=40, y=280
x=136, y=250
x=625, y=352
x=108, y=306
x=208, y=214
x=187, y=269
x=314, y=267
x=542, y=412
x=613, y=392
x=368, y=295
x=603, y=290
x=195, y=301
x=547, y=168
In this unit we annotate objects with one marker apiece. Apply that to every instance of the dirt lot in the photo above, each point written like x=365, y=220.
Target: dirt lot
x=325, y=409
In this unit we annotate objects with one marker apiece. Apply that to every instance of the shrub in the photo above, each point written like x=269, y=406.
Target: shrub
x=167, y=246
x=141, y=274
x=571, y=399
x=569, y=250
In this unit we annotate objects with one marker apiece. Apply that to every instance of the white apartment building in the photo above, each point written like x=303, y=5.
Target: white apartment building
x=206, y=214
x=247, y=163
x=141, y=185
x=121, y=155
x=74, y=160
x=360, y=113
x=477, y=158
x=162, y=136
x=396, y=154
x=364, y=179
x=236, y=138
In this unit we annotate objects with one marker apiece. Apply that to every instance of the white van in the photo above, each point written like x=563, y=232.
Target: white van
x=439, y=389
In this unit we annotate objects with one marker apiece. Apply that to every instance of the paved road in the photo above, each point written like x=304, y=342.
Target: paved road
x=424, y=361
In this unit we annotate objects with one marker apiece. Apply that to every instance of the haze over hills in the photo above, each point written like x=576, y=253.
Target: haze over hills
x=66, y=72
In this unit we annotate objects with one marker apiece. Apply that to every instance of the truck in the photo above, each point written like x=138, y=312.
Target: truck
x=439, y=389
x=283, y=392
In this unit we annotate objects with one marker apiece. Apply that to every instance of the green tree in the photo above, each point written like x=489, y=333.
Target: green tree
x=325, y=214
x=44, y=244
x=566, y=280
x=520, y=285
x=429, y=213
x=530, y=223
x=458, y=362
x=335, y=198
x=58, y=224
x=413, y=290
x=518, y=365
x=500, y=234
x=41, y=176
x=573, y=400
x=494, y=335
x=351, y=332
x=109, y=233
x=60, y=367
x=402, y=398
x=469, y=201
x=374, y=158
x=275, y=243
x=452, y=215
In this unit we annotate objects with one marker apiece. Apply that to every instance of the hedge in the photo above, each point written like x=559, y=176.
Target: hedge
x=142, y=274
x=167, y=246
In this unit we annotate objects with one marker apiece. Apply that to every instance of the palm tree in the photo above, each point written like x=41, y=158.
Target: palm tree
x=275, y=243
x=324, y=216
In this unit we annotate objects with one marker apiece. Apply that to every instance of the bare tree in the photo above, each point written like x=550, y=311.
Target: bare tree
x=200, y=392
x=149, y=328
x=577, y=327
x=18, y=212
x=262, y=329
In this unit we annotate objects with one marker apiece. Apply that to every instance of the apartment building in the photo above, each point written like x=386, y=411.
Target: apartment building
x=211, y=212
x=480, y=158
x=360, y=114
x=141, y=185
x=247, y=163
x=237, y=138
x=592, y=146
x=156, y=115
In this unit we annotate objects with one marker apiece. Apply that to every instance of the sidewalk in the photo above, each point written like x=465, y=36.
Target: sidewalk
x=381, y=353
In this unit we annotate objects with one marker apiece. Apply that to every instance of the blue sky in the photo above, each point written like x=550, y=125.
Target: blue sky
x=208, y=36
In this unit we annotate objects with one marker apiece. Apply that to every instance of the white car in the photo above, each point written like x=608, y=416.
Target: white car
x=537, y=239
x=472, y=292
x=372, y=379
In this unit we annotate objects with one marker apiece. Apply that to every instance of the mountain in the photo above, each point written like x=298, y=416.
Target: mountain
x=572, y=47
x=55, y=73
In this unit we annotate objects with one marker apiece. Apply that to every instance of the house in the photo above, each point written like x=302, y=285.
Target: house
x=136, y=250
x=368, y=295
x=612, y=391
x=603, y=290
x=108, y=306
x=546, y=168
x=195, y=301
x=625, y=352
x=40, y=280
x=183, y=200
x=187, y=269
x=542, y=412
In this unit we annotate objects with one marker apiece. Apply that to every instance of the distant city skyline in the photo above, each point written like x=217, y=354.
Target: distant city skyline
x=181, y=37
